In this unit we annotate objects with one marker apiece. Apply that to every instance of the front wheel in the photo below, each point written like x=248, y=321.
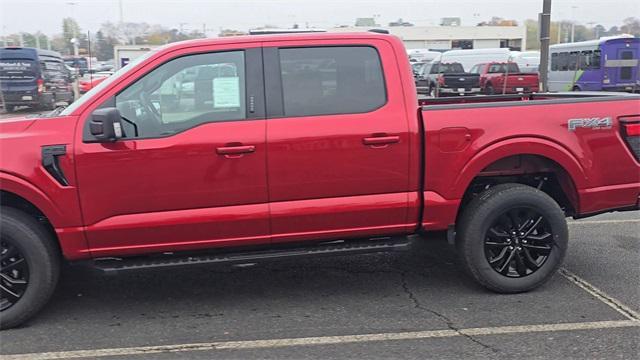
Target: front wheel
x=29, y=267
x=512, y=238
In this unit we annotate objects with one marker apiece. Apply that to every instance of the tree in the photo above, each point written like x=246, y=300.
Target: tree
x=631, y=25
x=70, y=30
x=103, y=46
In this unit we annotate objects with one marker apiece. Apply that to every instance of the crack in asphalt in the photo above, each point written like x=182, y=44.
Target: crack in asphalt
x=448, y=322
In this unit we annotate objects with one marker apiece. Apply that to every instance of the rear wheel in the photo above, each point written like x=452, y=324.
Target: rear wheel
x=29, y=267
x=10, y=108
x=576, y=88
x=49, y=104
x=489, y=90
x=433, y=92
x=512, y=238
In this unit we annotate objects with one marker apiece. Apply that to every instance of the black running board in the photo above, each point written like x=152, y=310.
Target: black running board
x=250, y=257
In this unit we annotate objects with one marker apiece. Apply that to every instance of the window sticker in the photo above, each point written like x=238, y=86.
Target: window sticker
x=226, y=92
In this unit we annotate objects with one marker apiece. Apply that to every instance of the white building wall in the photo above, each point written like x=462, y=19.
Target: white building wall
x=441, y=36
x=486, y=44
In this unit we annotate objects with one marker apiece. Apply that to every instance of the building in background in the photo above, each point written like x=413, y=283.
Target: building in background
x=454, y=37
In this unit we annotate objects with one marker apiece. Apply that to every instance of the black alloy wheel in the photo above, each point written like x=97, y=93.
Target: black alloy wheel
x=518, y=243
x=14, y=275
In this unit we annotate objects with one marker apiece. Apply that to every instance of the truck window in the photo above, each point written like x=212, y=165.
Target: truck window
x=554, y=62
x=184, y=93
x=331, y=80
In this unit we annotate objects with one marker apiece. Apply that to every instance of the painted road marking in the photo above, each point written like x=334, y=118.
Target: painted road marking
x=590, y=222
x=323, y=340
x=601, y=295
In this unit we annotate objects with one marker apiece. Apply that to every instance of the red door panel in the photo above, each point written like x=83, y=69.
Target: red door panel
x=148, y=188
x=338, y=175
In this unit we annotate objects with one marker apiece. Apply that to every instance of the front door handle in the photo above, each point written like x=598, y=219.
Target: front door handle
x=381, y=141
x=235, y=151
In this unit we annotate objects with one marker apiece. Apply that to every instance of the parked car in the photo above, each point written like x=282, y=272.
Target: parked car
x=81, y=64
x=438, y=79
x=416, y=67
x=309, y=145
x=528, y=61
x=90, y=80
x=469, y=57
x=33, y=77
x=505, y=78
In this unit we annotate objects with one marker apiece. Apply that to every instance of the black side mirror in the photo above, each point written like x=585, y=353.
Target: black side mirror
x=105, y=124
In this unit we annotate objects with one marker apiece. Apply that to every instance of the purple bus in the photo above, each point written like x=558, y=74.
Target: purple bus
x=607, y=64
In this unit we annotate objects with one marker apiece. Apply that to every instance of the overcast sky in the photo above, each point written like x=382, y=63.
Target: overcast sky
x=46, y=15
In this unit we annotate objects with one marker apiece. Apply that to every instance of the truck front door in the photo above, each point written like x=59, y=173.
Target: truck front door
x=190, y=171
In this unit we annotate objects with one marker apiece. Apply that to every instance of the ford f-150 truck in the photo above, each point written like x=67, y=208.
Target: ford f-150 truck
x=505, y=78
x=246, y=149
x=444, y=79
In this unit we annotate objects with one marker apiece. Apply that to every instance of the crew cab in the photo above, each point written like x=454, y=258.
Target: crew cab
x=443, y=79
x=248, y=149
x=505, y=78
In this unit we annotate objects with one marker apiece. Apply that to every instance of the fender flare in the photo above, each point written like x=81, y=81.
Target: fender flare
x=520, y=146
x=32, y=194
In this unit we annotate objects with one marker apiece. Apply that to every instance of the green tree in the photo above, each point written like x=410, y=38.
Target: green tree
x=103, y=46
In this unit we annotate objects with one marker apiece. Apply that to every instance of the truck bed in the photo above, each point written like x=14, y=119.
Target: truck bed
x=509, y=99
x=580, y=136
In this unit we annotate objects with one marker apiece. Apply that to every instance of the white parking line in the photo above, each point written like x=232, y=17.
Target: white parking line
x=322, y=340
x=601, y=295
x=590, y=222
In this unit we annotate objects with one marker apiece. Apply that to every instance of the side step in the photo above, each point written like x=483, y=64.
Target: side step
x=332, y=248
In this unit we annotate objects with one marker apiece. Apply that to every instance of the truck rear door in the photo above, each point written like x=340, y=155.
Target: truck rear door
x=338, y=154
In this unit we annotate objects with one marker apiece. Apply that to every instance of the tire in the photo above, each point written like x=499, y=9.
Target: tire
x=10, y=108
x=496, y=210
x=433, y=92
x=489, y=90
x=576, y=88
x=22, y=234
x=49, y=105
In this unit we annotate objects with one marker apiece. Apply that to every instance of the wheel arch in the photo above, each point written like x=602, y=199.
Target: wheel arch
x=524, y=157
x=20, y=191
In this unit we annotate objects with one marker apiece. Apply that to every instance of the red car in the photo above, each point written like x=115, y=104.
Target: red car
x=90, y=81
x=305, y=145
x=505, y=78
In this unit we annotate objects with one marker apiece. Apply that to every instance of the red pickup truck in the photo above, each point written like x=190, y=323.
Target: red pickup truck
x=247, y=149
x=505, y=78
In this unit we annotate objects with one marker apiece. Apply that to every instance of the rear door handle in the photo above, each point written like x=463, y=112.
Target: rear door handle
x=381, y=140
x=235, y=150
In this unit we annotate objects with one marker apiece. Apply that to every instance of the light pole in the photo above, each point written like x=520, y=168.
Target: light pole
x=545, y=31
x=573, y=23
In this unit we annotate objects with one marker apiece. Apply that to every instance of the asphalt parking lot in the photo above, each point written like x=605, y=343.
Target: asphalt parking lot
x=415, y=304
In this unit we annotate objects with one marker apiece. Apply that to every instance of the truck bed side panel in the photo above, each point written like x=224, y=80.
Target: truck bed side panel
x=461, y=141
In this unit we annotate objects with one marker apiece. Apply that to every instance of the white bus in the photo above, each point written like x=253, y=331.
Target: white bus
x=606, y=64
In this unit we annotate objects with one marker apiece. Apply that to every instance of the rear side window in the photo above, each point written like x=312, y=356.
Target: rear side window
x=331, y=80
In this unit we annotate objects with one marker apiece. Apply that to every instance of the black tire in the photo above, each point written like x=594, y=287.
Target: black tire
x=504, y=204
x=576, y=88
x=433, y=91
x=10, y=108
x=21, y=233
x=489, y=90
x=49, y=105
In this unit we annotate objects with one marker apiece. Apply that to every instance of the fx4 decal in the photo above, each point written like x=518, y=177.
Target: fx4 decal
x=590, y=123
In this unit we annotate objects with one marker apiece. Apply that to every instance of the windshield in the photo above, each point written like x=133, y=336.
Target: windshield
x=108, y=81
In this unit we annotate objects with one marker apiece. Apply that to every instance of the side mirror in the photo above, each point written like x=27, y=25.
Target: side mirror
x=105, y=124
